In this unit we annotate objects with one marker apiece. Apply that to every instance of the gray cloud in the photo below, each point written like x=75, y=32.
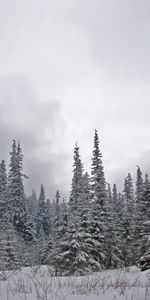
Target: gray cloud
x=118, y=35
x=93, y=57
x=39, y=128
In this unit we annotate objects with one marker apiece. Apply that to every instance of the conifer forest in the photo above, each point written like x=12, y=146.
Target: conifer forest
x=96, y=228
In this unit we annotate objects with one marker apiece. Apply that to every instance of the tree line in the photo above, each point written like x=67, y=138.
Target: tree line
x=97, y=228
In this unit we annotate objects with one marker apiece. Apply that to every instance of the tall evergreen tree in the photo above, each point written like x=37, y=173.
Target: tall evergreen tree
x=57, y=211
x=42, y=227
x=41, y=212
x=145, y=209
x=128, y=221
x=138, y=217
x=129, y=194
x=139, y=188
x=98, y=184
x=109, y=193
x=9, y=244
x=69, y=254
x=115, y=195
x=113, y=238
x=16, y=188
x=3, y=177
x=63, y=223
x=8, y=238
x=145, y=227
x=76, y=187
x=99, y=205
x=74, y=254
x=3, y=189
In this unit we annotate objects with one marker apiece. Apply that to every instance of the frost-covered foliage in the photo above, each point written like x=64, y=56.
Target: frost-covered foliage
x=98, y=228
x=16, y=194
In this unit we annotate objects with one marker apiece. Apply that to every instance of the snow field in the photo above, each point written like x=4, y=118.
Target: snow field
x=38, y=283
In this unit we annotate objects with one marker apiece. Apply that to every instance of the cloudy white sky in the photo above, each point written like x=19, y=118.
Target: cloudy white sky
x=66, y=68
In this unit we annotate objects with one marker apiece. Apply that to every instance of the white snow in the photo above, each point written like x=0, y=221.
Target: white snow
x=38, y=283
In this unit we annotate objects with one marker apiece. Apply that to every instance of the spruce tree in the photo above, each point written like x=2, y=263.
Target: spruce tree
x=8, y=237
x=66, y=259
x=74, y=253
x=41, y=212
x=109, y=193
x=128, y=223
x=76, y=187
x=113, y=238
x=98, y=184
x=63, y=222
x=48, y=218
x=139, y=188
x=99, y=205
x=115, y=194
x=145, y=228
x=9, y=244
x=85, y=201
x=42, y=227
x=16, y=189
x=138, y=217
x=57, y=211
x=3, y=177
x=3, y=190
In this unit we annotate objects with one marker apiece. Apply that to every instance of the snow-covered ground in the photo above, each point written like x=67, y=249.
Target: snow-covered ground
x=38, y=283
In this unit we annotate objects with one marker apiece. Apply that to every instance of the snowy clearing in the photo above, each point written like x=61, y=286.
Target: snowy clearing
x=38, y=283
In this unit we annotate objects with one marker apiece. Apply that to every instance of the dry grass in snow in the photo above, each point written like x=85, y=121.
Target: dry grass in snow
x=38, y=283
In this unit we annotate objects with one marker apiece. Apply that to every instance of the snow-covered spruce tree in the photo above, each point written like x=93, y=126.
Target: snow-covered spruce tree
x=146, y=199
x=113, y=238
x=83, y=213
x=144, y=261
x=85, y=230
x=8, y=238
x=75, y=248
x=41, y=211
x=115, y=195
x=117, y=228
x=16, y=189
x=9, y=242
x=66, y=259
x=56, y=232
x=30, y=234
x=63, y=222
x=128, y=222
x=98, y=207
x=3, y=177
x=60, y=225
x=51, y=216
x=3, y=189
x=109, y=193
x=48, y=218
x=76, y=186
x=49, y=232
x=139, y=187
x=138, y=215
x=17, y=214
x=31, y=213
x=57, y=211
x=42, y=227
x=119, y=213
x=98, y=184
x=32, y=205
x=129, y=195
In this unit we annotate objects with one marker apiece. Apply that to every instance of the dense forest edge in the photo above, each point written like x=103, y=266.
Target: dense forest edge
x=96, y=228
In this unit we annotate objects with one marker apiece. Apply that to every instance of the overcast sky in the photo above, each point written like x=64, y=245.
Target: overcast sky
x=66, y=68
